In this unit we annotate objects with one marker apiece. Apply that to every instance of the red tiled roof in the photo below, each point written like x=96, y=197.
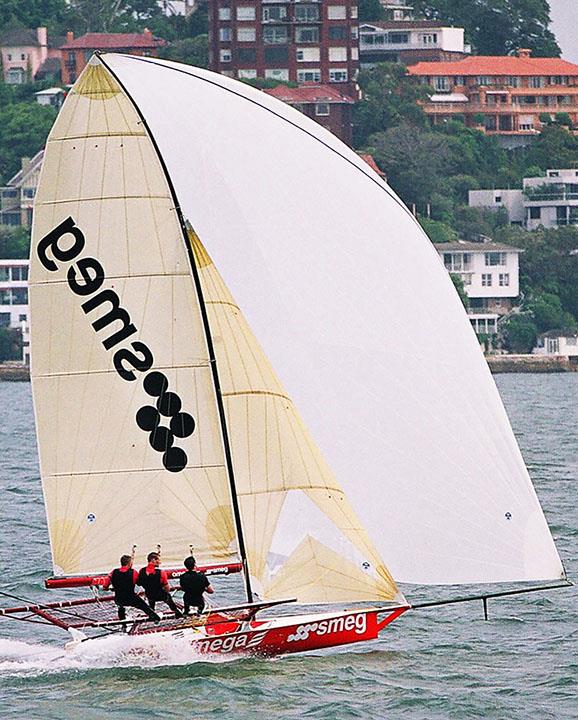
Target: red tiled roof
x=309, y=94
x=496, y=65
x=106, y=41
x=369, y=159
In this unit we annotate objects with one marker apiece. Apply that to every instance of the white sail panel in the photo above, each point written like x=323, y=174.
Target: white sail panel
x=350, y=303
x=119, y=354
x=274, y=460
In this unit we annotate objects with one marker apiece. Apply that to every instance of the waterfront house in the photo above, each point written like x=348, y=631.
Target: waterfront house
x=286, y=40
x=504, y=96
x=490, y=274
x=76, y=52
x=54, y=97
x=14, y=300
x=558, y=342
x=410, y=42
x=24, y=52
x=327, y=105
x=17, y=196
x=549, y=201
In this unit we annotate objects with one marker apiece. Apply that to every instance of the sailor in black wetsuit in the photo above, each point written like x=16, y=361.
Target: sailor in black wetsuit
x=123, y=580
x=156, y=583
x=194, y=584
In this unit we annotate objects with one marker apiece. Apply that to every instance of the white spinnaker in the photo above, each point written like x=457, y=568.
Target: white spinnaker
x=105, y=487
x=360, y=321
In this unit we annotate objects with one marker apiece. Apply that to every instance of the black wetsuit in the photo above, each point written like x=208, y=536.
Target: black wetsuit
x=125, y=595
x=194, y=585
x=154, y=591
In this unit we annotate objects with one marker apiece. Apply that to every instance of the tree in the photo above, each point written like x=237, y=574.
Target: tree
x=23, y=131
x=193, y=51
x=14, y=243
x=555, y=147
x=548, y=313
x=390, y=98
x=10, y=344
x=519, y=333
x=438, y=232
x=370, y=11
x=112, y=15
x=33, y=14
x=461, y=290
x=497, y=27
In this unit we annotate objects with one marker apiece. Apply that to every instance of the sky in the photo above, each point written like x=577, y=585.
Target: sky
x=564, y=14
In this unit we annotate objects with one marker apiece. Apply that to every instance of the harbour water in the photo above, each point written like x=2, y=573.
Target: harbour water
x=440, y=663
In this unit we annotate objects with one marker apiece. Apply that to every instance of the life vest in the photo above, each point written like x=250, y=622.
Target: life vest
x=151, y=583
x=123, y=584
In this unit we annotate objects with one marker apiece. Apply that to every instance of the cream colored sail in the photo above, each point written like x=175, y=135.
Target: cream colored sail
x=322, y=552
x=119, y=355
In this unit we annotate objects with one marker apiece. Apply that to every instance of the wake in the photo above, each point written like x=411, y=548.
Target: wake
x=22, y=658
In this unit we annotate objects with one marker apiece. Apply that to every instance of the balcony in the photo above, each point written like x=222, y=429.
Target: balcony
x=365, y=46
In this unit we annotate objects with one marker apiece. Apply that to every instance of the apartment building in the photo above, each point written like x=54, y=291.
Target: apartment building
x=288, y=40
x=17, y=196
x=410, y=42
x=549, y=201
x=397, y=10
x=490, y=274
x=504, y=96
x=76, y=52
x=14, y=300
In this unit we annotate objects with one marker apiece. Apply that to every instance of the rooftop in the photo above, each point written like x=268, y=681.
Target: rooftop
x=404, y=24
x=24, y=37
x=309, y=94
x=475, y=247
x=563, y=332
x=496, y=65
x=108, y=41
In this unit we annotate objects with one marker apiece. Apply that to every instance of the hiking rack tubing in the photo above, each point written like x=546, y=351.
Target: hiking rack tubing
x=487, y=596
x=53, y=605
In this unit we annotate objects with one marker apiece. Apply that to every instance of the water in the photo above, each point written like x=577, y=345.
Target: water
x=443, y=663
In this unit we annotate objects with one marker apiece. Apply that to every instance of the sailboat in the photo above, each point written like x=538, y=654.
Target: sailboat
x=243, y=343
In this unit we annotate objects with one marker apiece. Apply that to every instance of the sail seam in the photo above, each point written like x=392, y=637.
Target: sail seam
x=100, y=198
x=257, y=392
x=128, y=471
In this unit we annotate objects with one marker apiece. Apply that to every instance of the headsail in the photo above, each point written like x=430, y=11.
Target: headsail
x=349, y=301
x=130, y=444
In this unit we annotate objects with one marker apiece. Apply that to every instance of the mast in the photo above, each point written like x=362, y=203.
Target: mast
x=209, y=339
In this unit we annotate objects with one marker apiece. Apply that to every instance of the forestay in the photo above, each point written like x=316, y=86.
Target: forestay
x=349, y=301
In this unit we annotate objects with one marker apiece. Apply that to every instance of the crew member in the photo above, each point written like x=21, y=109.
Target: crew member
x=156, y=583
x=194, y=584
x=123, y=580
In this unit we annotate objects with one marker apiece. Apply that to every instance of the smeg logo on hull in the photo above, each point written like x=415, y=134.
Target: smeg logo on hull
x=85, y=278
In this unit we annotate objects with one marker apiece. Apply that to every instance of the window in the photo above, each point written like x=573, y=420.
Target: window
x=225, y=34
x=246, y=12
x=398, y=38
x=536, y=81
x=336, y=12
x=354, y=33
x=504, y=279
x=459, y=80
x=559, y=80
x=337, y=54
x=277, y=74
x=535, y=213
x=4, y=274
x=512, y=81
x=483, y=80
x=276, y=54
x=307, y=35
x=247, y=55
x=338, y=75
x=15, y=76
x=308, y=55
x=4, y=318
x=495, y=258
x=571, y=341
x=246, y=34
x=224, y=13
x=486, y=280
x=20, y=296
x=337, y=32
x=354, y=12
x=306, y=13
x=553, y=345
x=247, y=74
x=22, y=318
x=28, y=192
x=19, y=272
x=498, y=199
x=309, y=75
x=322, y=109
x=9, y=56
x=354, y=53
x=274, y=13
x=23, y=57
x=275, y=35
x=457, y=261
x=442, y=84
x=428, y=39
x=225, y=55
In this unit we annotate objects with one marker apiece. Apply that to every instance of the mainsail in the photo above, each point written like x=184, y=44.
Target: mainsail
x=347, y=409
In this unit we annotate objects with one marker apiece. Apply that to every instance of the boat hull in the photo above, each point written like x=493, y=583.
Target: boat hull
x=285, y=635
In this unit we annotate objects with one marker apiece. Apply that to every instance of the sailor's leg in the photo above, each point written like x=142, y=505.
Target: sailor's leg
x=168, y=598
x=121, y=612
x=139, y=603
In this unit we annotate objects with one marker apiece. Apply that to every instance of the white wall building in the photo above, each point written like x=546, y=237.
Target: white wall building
x=549, y=201
x=17, y=197
x=490, y=273
x=558, y=342
x=14, y=311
